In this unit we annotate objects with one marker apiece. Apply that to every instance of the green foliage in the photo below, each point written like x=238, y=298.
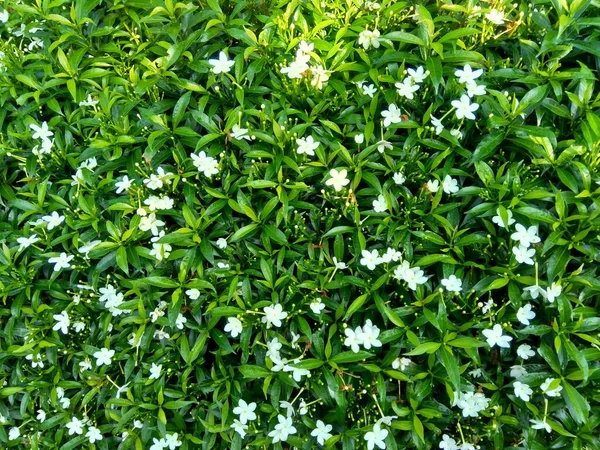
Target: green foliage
x=321, y=222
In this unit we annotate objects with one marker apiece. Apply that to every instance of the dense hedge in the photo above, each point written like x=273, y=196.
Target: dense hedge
x=336, y=224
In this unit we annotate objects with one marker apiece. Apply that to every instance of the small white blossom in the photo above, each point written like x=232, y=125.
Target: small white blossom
x=308, y=146
x=273, y=315
x=525, y=314
x=338, y=179
x=155, y=371
x=234, y=326
x=104, y=356
x=221, y=65
x=494, y=336
x=524, y=351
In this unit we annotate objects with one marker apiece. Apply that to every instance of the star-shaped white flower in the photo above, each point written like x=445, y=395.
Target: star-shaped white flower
x=308, y=146
x=104, y=356
x=523, y=254
x=494, y=337
x=464, y=108
x=41, y=132
x=376, y=437
x=221, y=65
x=234, y=326
x=467, y=74
x=155, y=371
x=61, y=261
x=525, y=314
x=321, y=432
x=392, y=115
x=338, y=179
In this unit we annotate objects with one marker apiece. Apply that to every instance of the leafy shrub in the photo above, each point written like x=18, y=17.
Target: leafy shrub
x=305, y=224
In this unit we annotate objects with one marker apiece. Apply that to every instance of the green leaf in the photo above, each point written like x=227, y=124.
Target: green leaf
x=350, y=357
x=355, y=306
x=450, y=364
x=253, y=372
x=402, y=36
x=426, y=347
x=576, y=403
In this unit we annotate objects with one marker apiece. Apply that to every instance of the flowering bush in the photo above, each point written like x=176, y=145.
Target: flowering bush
x=307, y=224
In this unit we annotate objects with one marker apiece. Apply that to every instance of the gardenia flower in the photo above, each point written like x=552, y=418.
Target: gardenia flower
x=417, y=76
x=150, y=223
x=283, y=429
x=239, y=428
x=391, y=115
x=369, y=39
x=413, y=276
x=552, y=292
x=62, y=322
x=193, y=294
x=517, y=371
x=273, y=315
x=474, y=89
x=359, y=138
x=221, y=65
x=93, y=434
x=36, y=360
x=370, y=259
x=464, y=108
x=433, y=186
x=437, y=123
x=103, y=356
x=525, y=236
x=399, y=178
x=525, y=314
x=307, y=146
x=401, y=363
x=391, y=255
x=448, y=443
x=172, y=441
x=123, y=185
x=159, y=203
x=4, y=16
x=540, y=424
x=222, y=243
x=524, y=351
x=297, y=373
x=156, y=314
x=522, y=390
x=497, y=219
x=41, y=415
x=407, y=88
x=494, y=337
x=384, y=145
x=155, y=371
x=86, y=248
x=206, y=164
x=297, y=67
x=338, y=179
x=523, y=254
x=449, y=185
x=239, y=133
x=25, y=242
x=41, y=132
x=89, y=101
x=317, y=306
x=468, y=75
x=321, y=432
x=369, y=90
x=79, y=326
x=368, y=335
x=180, y=321
x=380, y=204
x=353, y=338
x=234, y=326
x=14, y=433
x=452, y=283
x=534, y=291
x=158, y=444
x=476, y=373
x=319, y=76
x=53, y=220
x=157, y=180
x=338, y=264
x=495, y=16
x=545, y=387
x=75, y=426
x=376, y=437
x=472, y=403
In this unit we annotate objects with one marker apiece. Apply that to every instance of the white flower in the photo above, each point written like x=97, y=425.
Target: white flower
x=399, y=178
x=523, y=254
x=172, y=441
x=495, y=16
x=517, y=371
x=41, y=132
x=159, y=203
x=413, y=277
x=456, y=133
x=525, y=236
x=522, y=390
x=14, y=433
x=155, y=371
x=321, y=432
x=545, y=387
x=103, y=356
x=157, y=181
x=4, y=16
x=391, y=255
x=359, y=138
x=221, y=65
x=283, y=429
x=158, y=444
x=234, y=326
x=93, y=434
x=53, y=220
x=296, y=68
x=407, y=88
x=494, y=337
x=452, y=284
x=433, y=186
x=239, y=428
x=85, y=364
x=150, y=223
x=474, y=89
x=448, y=443
x=319, y=76
x=497, y=219
x=41, y=415
x=552, y=292
x=392, y=115
x=222, y=243
x=273, y=315
x=289, y=408
x=370, y=259
x=472, y=403
x=476, y=373
x=384, y=145
x=89, y=101
x=401, y=363
x=180, y=321
x=338, y=264
x=487, y=306
x=307, y=146
x=525, y=314
x=75, y=426
x=338, y=179
x=239, y=133
x=524, y=351
x=417, y=76
x=193, y=293
x=380, y=204
x=369, y=39
x=540, y=424
x=369, y=334
x=206, y=164
x=376, y=437
x=535, y=291
x=369, y=90
x=468, y=75
x=79, y=327
x=25, y=242
x=305, y=47
x=317, y=306
x=62, y=322
x=464, y=108
x=297, y=373
x=36, y=360
x=86, y=248
x=353, y=338
x=439, y=127
x=450, y=185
